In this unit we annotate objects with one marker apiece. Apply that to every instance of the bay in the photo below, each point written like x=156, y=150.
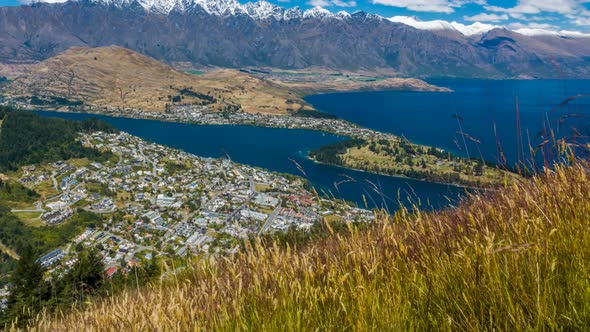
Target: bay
x=474, y=107
x=285, y=151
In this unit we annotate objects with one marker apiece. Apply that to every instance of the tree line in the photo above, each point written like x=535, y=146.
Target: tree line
x=31, y=290
x=330, y=154
x=27, y=138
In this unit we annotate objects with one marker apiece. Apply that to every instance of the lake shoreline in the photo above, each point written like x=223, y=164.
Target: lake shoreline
x=274, y=150
x=372, y=134
x=455, y=185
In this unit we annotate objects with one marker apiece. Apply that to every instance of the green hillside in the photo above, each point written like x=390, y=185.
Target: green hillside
x=26, y=139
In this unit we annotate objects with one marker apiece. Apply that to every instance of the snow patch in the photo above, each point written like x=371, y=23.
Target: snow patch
x=476, y=28
x=479, y=28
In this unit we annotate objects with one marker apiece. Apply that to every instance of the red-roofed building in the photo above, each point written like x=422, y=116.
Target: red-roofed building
x=305, y=200
x=111, y=271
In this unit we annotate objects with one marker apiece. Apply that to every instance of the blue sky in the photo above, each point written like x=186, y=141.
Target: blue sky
x=573, y=15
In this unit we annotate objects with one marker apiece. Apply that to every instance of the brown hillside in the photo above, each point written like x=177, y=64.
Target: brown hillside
x=117, y=77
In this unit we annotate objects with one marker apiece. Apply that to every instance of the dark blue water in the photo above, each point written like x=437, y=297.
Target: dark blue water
x=276, y=150
x=430, y=118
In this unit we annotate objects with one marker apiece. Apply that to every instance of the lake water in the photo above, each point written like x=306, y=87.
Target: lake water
x=427, y=118
x=278, y=150
x=431, y=118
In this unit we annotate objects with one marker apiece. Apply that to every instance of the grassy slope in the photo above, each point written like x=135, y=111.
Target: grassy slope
x=516, y=259
x=117, y=77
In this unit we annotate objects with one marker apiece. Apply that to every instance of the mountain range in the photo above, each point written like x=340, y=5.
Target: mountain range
x=226, y=33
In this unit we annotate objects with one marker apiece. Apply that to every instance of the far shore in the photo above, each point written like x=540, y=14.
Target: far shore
x=456, y=185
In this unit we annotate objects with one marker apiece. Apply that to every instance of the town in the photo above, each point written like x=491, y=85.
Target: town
x=158, y=201
x=204, y=115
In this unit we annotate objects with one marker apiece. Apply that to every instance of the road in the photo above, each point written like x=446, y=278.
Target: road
x=236, y=211
x=54, y=180
x=252, y=185
x=38, y=208
x=246, y=202
x=154, y=166
x=270, y=219
x=24, y=211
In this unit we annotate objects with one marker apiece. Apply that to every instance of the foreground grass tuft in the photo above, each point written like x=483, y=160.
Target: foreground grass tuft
x=516, y=259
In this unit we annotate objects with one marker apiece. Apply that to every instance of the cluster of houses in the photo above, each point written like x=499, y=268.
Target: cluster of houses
x=173, y=203
x=52, y=257
x=57, y=216
x=34, y=179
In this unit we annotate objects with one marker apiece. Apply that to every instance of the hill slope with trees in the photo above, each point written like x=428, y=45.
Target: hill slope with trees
x=27, y=139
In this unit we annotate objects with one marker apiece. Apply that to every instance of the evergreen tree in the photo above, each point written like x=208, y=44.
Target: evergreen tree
x=86, y=275
x=28, y=290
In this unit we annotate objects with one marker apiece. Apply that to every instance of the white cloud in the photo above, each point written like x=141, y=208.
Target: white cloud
x=319, y=3
x=477, y=28
x=533, y=25
x=438, y=6
x=485, y=17
x=525, y=10
x=330, y=3
x=541, y=6
x=545, y=32
x=340, y=3
x=28, y=2
x=582, y=21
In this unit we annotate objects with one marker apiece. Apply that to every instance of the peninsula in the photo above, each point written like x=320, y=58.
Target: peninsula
x=399, y=157
x=119, y=82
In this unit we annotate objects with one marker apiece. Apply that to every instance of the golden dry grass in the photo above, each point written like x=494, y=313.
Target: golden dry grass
x=13, y=70
x=512, y=260
x=118, y=77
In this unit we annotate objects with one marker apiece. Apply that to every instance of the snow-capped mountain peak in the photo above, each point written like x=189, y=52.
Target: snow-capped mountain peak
x=478, y=28
x=263, y=10
x=317, y=12
x=467, y=30
x=220, y=7
x=293, y=13
x=260, y=10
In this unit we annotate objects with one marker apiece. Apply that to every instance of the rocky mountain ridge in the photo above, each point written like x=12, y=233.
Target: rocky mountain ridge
x=226, y=33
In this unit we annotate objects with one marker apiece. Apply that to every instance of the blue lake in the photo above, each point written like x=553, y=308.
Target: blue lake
x=278, y=150
x=431, y=118
x=427, y=118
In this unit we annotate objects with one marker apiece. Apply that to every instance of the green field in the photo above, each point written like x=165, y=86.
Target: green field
x=31, y=219
x=401, y=158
